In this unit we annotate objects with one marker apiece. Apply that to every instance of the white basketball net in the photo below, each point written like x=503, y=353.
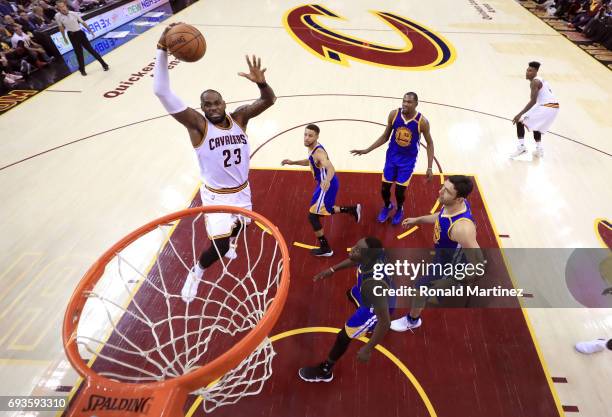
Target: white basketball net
x=153, y=335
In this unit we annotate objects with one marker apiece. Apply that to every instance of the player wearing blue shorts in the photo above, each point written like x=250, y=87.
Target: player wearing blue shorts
x=454, y=242
x=324, y=197
x=373, y=312
x=404, y=128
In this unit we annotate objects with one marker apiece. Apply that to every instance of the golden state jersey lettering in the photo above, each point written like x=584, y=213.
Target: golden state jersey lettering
x=423, y=49
x=436, y=237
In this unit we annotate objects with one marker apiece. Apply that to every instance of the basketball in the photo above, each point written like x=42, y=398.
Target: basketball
x=186, y=42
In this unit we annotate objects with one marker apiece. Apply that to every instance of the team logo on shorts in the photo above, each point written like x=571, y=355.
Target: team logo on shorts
x=422, y=49
x=403, y=136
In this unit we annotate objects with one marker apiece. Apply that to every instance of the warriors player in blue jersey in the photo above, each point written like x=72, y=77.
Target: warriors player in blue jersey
x=404, y=128
x=372, y=314
x=454, y=230
x=324, y=197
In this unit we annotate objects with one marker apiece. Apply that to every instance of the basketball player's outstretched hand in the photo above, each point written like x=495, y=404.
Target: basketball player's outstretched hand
x=256, y=74
x=607, y=291
x=286, y=162
x=323, y=274
x=162, y=38
x=409, y=222
x=357, y=152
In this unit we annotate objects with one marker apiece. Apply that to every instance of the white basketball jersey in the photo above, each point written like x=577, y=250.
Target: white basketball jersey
x=224, y=156
x=545, y=95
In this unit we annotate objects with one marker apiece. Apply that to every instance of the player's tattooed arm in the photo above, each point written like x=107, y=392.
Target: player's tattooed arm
x=535, y=87
x=267, y=97
x=381, y=140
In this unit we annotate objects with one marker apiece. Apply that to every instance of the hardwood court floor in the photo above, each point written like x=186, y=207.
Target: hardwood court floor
x=81, y=168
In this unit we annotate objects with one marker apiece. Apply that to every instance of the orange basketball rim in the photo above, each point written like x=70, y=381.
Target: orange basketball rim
x=104, y=397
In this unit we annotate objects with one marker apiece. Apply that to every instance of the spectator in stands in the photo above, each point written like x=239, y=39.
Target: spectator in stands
x=585, y=16
x=9, y=62
x=5, y=7
x=47, y=10
x=38, y=18
x=25, y=22
x=41, y=59
x=9, y=22
x=5, y=37
x=21, y=53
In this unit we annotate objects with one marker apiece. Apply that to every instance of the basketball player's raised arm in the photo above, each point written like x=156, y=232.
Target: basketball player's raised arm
x=266, y=99
x=535, y=87
x=430, y=146
x=187, y=116
x=381, y=140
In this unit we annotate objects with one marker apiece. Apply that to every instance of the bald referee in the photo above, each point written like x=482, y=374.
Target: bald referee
x=71, y=22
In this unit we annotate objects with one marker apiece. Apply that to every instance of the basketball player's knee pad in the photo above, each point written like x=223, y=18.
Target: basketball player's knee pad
x=386, y=187
x=520, y=130
x=537, y=136
x=315, y=221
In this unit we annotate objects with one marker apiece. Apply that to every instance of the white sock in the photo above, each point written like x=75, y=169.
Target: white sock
x=521, y=142
x=539, y=146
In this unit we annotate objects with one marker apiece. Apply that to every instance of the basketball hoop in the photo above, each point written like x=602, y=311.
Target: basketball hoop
x=157, y=348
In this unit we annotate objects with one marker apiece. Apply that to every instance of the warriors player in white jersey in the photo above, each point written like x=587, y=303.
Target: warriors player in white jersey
x=222, y=148
x=538, y=115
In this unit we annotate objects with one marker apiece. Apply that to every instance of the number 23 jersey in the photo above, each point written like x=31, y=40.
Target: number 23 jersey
x=224, y=156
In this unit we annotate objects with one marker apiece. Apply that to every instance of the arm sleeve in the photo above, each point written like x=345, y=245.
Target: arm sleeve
x=161, y=85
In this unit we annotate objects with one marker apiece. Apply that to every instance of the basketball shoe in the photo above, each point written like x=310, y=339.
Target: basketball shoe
x=521, y=149
x=319, y=373
x=231, y=252
x=405, y=323
x=192, y=281
x=592, y=346
x=399, y=215
x=384, y=214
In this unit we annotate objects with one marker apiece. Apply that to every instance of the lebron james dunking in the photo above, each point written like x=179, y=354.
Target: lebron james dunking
x=222, y=148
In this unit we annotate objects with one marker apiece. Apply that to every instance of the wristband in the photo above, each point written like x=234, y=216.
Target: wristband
x=262, y=85
x=331, y=268
x=162, y=47
x=429, y=169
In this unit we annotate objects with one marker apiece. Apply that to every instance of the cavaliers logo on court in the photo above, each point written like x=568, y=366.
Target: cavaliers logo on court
x=403, y=136
x=423, y=49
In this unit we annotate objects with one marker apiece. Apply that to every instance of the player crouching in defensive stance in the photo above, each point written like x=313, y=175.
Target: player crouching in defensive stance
x=324, y=197
x=373, y=313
